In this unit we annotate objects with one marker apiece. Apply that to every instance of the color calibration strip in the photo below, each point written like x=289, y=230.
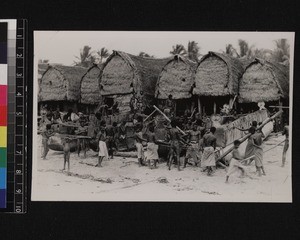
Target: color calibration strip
x=3, y=113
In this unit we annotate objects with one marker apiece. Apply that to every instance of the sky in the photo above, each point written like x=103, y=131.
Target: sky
x=62, y=46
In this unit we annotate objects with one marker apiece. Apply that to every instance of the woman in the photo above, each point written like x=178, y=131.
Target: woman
x=257, y=139
x=152, y=148
x=102, y=146
x=250, y=147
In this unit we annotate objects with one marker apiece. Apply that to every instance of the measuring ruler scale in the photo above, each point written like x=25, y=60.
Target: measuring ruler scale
x=15, y=199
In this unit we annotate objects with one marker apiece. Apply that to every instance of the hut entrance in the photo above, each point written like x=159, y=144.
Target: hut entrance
x=212, y=105
x=63, y=106
x=182, y=105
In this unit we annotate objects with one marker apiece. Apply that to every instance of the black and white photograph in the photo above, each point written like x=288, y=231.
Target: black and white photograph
x=162, y=116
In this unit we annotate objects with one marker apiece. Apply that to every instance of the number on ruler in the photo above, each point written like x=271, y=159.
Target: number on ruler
x=19, y=191
x=18, y=209
x=19, y=94
x=19, y=113
x=18, y=171
x=19, y=74
x=19, y=55
x=19, y=152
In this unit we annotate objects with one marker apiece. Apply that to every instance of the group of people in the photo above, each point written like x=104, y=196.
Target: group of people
x=187, y=137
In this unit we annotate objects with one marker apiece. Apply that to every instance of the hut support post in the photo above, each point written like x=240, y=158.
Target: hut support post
x=215, y=107
x=199, y=107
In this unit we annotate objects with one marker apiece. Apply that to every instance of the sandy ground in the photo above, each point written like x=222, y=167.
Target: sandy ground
x=121, y=179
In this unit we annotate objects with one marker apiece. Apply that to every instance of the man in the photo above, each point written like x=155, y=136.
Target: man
x=111, y=139
x=174, y=137
x=208, y=160
x=286, y=144
x=57, y=116
x=169, y=106
x=133, y=103
x=193, y=151
x=82, y=143
x=46, y=134
x=235, y=162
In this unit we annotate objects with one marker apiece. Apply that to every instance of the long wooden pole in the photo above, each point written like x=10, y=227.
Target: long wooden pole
x=166, y=117
x=149, y=116
x=243, y=139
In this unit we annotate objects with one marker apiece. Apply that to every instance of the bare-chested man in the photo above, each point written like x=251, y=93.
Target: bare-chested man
x=193, y=151
x=174, y=137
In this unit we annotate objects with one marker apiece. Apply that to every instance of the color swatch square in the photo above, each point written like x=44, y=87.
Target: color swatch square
x=3, y=157
x=2, y=178
x=3, y=95
x=2, y=198
x=3, y=115
x=3, y=74
x=3, y=137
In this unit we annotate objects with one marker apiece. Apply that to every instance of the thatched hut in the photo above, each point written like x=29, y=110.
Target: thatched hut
x=216, y=81
x=177, y=79
x=264, y=81
x=124, y=74
x=89, y=89
x=60, y=86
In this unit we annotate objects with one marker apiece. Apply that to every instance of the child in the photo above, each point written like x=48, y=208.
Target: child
x=47, y=133
x=67, y=149
x=139, y=146
x=235, y=162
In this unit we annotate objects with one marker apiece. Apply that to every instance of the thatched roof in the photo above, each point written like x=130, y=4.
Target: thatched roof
x=124, y=73
x=264, y=81
x=176, y=78
x=61, y=83
x=218, y=75
x=89, y=87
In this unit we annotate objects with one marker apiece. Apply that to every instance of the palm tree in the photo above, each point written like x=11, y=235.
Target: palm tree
x=231, y=51
x=84, y=58
x=145, y=55
x=178, y=49
x=193, y=51
x=103, y=53
x=281, y=53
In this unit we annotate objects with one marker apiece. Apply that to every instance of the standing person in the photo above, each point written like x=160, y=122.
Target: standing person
x=133, y=103
x=235, y=162
x=81, y=142
x=121, y=133
x=152, y=148
x=67, y=153
x=138, y=143
x=169, y=106
x=102, y=145
x=46, y=134
x=286, y=143
x=174, y=137
x=208, y=160
x=57, y=116
x=258, y=152
x=111, y=141
x=193, y=151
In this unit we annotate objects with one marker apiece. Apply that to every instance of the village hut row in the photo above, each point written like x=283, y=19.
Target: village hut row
x=220, y=79
x=69, y=87
x=217, y=79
